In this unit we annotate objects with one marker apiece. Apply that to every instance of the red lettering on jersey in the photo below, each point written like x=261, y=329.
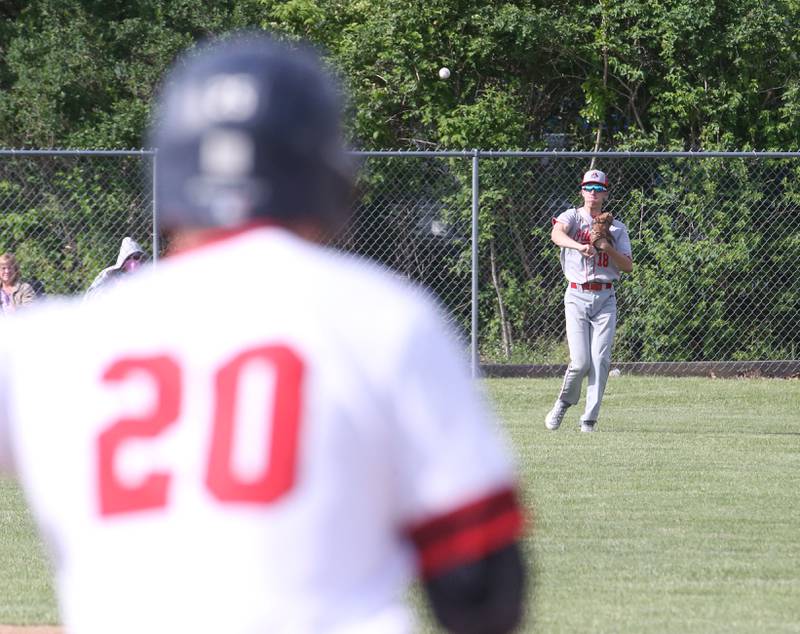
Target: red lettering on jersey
x=602, y=258
x=281, y=429
x=115, y=496
x=277, y=476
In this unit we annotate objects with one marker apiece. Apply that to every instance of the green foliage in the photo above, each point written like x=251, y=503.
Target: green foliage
x=81, y=73
x=688, y=73
x=389, y=53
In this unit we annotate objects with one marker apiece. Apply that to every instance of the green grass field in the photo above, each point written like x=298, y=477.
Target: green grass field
x=680, y=514
x=26, y=591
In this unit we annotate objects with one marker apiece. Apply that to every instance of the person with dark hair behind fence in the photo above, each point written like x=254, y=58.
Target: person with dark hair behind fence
x=14, y=293
x=595, y=251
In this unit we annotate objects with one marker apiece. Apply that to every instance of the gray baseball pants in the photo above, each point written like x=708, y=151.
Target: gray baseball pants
x=591, y=318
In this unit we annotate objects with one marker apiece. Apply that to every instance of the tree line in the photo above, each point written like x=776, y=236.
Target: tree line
x=683, y=74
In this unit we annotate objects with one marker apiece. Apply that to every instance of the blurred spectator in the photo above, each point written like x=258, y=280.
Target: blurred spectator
x=130, y=258
x=13, y=292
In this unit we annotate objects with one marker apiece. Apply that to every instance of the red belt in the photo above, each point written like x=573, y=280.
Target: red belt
x=591, y=286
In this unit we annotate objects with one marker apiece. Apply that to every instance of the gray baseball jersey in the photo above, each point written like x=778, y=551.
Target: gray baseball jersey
x=600, y=268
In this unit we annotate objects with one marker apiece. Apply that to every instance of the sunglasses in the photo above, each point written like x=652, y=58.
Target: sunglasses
x=594, y=188
x=136, y=256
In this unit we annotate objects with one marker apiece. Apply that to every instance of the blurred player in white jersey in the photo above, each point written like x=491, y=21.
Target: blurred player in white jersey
x=285, y=464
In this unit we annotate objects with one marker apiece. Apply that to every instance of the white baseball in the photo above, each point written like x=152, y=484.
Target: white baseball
x=444, y=72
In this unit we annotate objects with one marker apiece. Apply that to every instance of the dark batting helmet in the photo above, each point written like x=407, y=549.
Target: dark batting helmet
x=245, y=128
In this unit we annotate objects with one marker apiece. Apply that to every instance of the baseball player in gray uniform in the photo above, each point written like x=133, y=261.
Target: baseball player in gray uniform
x=590, y=303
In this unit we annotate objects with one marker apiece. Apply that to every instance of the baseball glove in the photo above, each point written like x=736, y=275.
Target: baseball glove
x=601, y=228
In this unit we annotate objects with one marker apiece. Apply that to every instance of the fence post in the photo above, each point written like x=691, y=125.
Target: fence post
x=474, y=326
x=155, y=210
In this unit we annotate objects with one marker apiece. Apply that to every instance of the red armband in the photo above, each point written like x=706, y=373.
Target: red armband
x=468, y=533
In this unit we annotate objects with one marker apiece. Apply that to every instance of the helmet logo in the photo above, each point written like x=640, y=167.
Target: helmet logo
x=224, y=98
x=226, y=153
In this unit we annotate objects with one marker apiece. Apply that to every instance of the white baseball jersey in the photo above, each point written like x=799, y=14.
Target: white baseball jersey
x=259, y=435
x=600, y=268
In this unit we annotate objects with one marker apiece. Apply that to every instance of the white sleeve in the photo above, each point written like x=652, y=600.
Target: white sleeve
x=568, y=218
x=453, y=448
x=5, y=423
x=454, y=472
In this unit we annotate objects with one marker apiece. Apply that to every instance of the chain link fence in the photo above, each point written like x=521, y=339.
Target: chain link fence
x=63, y=214
x=413, y=216
x=715, y=236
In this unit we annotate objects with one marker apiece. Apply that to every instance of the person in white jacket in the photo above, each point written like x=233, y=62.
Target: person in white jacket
x=131, y=256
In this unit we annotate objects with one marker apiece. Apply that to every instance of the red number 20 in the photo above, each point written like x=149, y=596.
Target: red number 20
x=281, y=423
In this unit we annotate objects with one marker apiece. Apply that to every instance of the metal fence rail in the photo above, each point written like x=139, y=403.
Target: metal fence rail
x=716, y=241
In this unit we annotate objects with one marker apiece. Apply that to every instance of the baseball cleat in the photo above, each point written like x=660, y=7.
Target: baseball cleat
x=588, y=425
x=554, y=417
